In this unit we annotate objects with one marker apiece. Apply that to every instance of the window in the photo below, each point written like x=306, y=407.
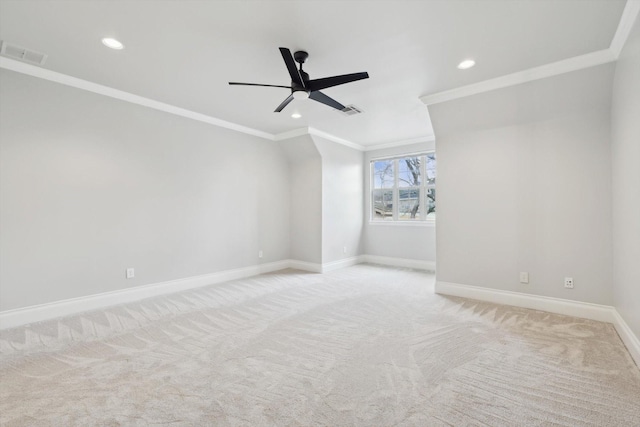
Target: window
x=404, y=189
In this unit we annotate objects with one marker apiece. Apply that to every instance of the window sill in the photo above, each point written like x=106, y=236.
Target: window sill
x=427, y=223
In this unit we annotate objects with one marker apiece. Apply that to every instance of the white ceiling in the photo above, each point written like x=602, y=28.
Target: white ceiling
x=184, y=52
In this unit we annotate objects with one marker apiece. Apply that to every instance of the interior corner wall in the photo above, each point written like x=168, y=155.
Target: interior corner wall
x=524, y=185
x=395, y=240
x=90, y=186
x=625, y=148
x=305, y=186
x=342, y=201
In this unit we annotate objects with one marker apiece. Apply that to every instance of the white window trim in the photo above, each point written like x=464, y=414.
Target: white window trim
x=411, y=223
x=423, y=188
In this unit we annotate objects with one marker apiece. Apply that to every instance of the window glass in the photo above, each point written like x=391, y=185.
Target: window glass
x=409, y=204
x=431, y=203
x=383, y=174
x=403, y=189
x=431, y=169
x=409, y=172
x=383, y=204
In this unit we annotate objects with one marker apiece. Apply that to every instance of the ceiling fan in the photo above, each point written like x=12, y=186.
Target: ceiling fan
x=302, y=88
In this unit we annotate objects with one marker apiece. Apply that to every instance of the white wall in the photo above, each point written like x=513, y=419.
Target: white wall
x=395, y=240
x=625, y=146
x=524, y=185
x=90, y=185
x=305, y=186
x=342, y=201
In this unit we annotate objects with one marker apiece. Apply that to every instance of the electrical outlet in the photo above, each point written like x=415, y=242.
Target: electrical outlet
x=259, y=254
x=131, y=273
x=568, y=282
x=344, y=250
x=524, y=277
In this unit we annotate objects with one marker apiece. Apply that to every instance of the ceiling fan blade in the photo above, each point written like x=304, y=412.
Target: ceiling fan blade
x=326, y=100
x=319, y=84
x=291, y=66
x=257, y=84
x=284, y=103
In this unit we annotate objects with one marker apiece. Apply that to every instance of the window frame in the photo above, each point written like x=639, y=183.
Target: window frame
x=423, y=189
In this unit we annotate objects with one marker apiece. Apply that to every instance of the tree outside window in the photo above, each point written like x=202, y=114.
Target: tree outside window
x=403, y=189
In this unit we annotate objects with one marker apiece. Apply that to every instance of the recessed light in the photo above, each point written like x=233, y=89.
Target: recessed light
x=112, y=43
x=467, y=63
x=296, y=115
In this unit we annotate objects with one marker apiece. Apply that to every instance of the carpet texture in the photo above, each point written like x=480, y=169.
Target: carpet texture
x=361, y=346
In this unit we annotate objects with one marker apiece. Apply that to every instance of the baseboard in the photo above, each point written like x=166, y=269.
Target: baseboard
x=342, y=263
x=400, y=262
x=585, y=310
x=628, y=337
x=23, y=316
x=305, y=266
x=38, y=313
x=327, y=266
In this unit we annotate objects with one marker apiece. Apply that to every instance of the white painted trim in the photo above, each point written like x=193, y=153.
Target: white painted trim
x=313, y=131
x=627, y=20
x=291, y=134
x=52, y=310
x=383, y=156
x=401, y=143
x=549, y=70
x=342, y=263
x=629, y=15
x=54, y=76
x=37, y=313
x=305, y=266
x=325, y=135
x=262, y=268
x=602, y=313
x=400, y=262
x=43, y=73
x=629, y=339
x=416, y=223
x=585, y=310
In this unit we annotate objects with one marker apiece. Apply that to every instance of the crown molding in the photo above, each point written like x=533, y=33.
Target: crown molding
x=46, y=74
x=54, y=76
x=291, y=134
x=394, y=144
x=316, y=132
x=330, y=137
x=629, y=15
x=549, y=70
x=611, y=54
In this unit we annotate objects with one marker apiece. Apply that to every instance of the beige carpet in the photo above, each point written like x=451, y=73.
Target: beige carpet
x=362, y=346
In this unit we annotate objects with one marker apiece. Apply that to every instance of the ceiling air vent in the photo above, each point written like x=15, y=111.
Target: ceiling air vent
x=351, y=110
x=22, y=54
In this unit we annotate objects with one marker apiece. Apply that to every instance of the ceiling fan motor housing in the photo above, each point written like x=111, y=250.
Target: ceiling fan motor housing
x=296, y=87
